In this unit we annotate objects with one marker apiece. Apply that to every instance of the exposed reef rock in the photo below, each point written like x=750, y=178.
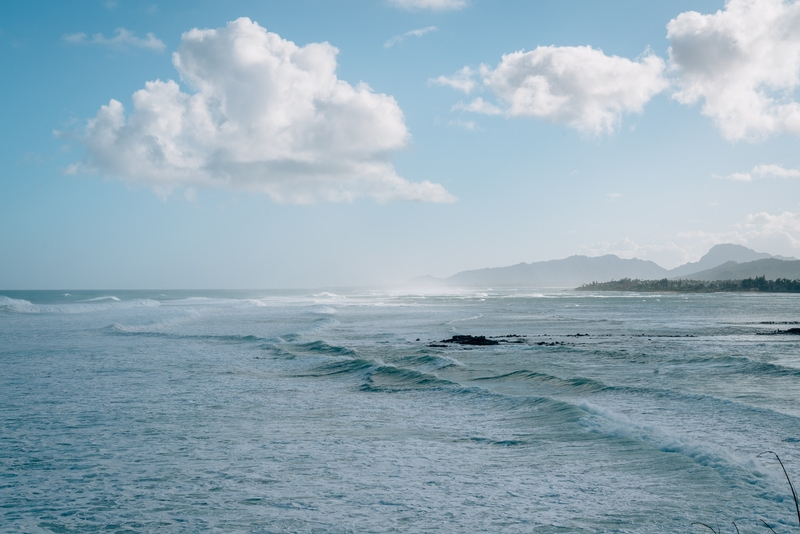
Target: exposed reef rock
x=790, y=332
x=471, y=340
x=482, y=341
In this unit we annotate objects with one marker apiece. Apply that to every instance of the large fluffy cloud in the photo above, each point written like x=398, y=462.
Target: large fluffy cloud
x=744, y=64
x=576, y=85
x=265, y=115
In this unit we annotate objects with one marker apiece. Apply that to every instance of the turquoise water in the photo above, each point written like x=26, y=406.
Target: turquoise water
x=302, y=412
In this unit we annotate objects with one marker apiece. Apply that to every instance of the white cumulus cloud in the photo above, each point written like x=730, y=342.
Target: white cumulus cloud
x=773, y=232
x=775, y=171
x=740, y=177
x=413, y=33
x=433, y=5
x=576, y=85
x=461, y=80
x=123, y=39
x=743, y=63
x=777, y=234
x=264, y=115
x=785, y=222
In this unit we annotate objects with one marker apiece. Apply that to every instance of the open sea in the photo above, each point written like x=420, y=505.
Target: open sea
x=269, y=411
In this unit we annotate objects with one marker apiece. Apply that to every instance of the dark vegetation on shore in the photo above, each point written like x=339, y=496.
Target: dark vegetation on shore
x=759, y=283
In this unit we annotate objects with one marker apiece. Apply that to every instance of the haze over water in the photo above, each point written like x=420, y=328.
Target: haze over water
x=329, y=412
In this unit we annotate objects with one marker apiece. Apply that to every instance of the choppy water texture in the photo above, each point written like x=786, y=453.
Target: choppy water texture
x=292, y=412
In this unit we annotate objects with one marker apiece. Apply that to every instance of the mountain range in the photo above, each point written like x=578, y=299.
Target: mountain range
x=722, y=262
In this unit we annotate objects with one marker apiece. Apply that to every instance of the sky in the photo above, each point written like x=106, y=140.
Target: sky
x=268, y=144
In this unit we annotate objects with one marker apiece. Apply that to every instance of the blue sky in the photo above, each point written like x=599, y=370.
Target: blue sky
x=273, y=159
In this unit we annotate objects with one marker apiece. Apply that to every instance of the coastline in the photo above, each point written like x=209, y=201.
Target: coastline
x=748, y=285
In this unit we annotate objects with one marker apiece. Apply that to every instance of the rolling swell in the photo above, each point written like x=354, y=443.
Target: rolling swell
x=318, y=325
x=320, y=347
x=544, y=412
x=286, y=348
x=120, y=330
x=376, y=376
x=387, y=378
x=748, y=366
x=430, y=361
x=614, y=425
x=578, y=384
x=341, y=367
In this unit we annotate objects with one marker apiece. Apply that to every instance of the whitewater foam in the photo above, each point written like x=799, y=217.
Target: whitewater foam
x=293, y=412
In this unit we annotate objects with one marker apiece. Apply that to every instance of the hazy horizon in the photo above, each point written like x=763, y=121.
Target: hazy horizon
x=388, y=286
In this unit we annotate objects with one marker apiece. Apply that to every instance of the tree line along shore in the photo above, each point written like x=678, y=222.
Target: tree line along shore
x=759, y=283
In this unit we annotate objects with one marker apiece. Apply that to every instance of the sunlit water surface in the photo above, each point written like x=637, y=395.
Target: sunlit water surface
x=299, y=412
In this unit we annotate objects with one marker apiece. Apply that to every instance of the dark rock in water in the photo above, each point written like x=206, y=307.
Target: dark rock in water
x=471, y=340
x=791, y=332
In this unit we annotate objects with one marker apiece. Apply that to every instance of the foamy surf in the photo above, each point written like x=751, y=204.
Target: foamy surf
x=295, y=412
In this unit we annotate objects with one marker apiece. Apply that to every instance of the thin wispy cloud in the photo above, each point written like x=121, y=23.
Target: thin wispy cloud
x=464, y=125
x=122, y=40
x=413, y=33
x=667, y=255
x=432, y=5
x=478, y=105
x=737, y=177
x=460, y=81
x=762, y=230
x=763, y=171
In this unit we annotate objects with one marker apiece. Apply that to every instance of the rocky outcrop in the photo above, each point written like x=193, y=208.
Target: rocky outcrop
x=471, y=340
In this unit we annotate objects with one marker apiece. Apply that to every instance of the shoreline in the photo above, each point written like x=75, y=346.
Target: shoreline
x=748, y=285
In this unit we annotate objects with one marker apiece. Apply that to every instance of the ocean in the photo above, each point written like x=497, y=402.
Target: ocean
x=313, y=411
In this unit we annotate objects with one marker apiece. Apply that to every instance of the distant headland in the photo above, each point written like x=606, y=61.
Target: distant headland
x=726, y=267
